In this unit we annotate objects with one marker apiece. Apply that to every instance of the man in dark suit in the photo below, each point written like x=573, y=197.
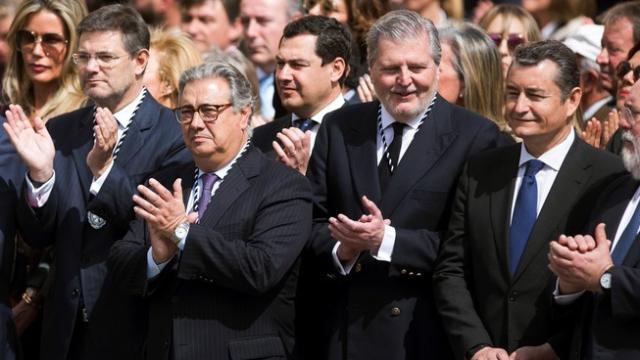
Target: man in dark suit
x=599, y=275
x=383, y=174
x=11, y=177
x=79, y=193
x=492, y=281
x=311, y=67
x=220, y=278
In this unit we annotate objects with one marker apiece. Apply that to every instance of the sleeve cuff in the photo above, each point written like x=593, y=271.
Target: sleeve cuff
x=565, y=299
x=37, y=197
x=343, y=269
x=97, y=183
x=386, y=246
x=154, y=269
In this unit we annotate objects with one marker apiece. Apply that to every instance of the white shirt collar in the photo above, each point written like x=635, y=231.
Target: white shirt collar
x=554, y=157
x=123, y=117
x=387, y=119
x=334, y=105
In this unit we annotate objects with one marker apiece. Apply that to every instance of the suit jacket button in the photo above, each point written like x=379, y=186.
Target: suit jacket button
x=403, y=271
x=418, y=274
x=395, y=311
x=75, y=293
x=358, y=267
x=411, y=273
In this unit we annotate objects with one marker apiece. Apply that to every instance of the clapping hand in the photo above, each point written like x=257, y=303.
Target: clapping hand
x=294, y=148
x=106, y=135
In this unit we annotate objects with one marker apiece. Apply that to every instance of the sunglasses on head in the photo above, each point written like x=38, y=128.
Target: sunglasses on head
x=27, y=40
x=513, y=40
x=623, y=69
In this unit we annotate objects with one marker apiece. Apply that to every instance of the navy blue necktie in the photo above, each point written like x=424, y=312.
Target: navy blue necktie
x=627, y=238
x=524, y=214
x=305, y=124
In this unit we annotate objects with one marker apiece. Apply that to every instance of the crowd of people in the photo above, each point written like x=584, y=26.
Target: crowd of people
x=319, y=179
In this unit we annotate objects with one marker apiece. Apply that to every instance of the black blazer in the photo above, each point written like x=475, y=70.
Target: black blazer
x=116, y=321
x=230, y=293
x=265, y=134
x=383, y=310
x=479, y=300
x=609, y=321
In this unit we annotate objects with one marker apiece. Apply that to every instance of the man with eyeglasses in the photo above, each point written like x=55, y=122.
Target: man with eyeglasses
x=82, y=172
x=215, y=251
x=599, y=271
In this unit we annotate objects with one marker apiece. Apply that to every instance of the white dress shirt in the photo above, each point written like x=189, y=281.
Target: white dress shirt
x=37, y=197
x=267, y=90
x=389, y=237
x=154, y=269
x=319, y=116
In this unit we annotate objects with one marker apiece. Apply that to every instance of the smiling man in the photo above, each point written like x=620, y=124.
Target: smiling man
x=79, y=192
x=492, y=282
x=311, y=67
x=383, y=174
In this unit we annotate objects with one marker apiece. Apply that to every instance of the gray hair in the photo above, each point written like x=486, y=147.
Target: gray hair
x=240, y=88
x=399, y=25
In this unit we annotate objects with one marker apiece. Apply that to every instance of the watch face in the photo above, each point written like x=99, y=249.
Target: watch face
x=605, y=281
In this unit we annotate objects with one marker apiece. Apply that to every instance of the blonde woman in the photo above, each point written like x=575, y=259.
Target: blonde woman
x=171, y=53
x=40, y=75
x=509, y=26
x=471, y=72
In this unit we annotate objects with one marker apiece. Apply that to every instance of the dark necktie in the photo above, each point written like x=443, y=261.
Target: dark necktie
x=208, y=180
x=305, y=124
x=524, y=214
x=627, y=238
x=389, y=160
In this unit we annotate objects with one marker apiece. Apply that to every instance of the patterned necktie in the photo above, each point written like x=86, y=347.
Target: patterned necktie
x=627, y=238
x=305, y=124
x=524, y=214
x=389, y=160
x=208, y=180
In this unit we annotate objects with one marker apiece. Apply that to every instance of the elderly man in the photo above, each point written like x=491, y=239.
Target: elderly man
x=216, y=255
x=263, y=22
x=492, y=280
x=383, y=174
x=79, y=192
x=211, y=23
x=599, y=275
x=312, y=64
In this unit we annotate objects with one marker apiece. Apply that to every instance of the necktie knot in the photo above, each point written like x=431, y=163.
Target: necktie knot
x=533, y=167
x=305, y=124
x=398, y=129
x=208, y=180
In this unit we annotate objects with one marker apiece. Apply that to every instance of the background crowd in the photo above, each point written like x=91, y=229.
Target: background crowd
x=454, y=163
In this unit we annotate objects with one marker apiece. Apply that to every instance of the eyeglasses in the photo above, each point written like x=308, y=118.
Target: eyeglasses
x=629, y=115
x=513, y=40
x=104, y=59
x=51, y=43
x=625, y=67
x=208, y=112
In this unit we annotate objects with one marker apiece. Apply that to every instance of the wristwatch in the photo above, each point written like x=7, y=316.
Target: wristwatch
x=180, y=233
x=605, y=281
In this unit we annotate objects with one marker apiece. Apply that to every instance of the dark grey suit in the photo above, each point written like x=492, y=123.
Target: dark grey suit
x=230, y=293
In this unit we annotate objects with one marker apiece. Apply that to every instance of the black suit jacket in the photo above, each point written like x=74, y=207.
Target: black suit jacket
x=265, y=134
x=230, y=294
x=12, y=174
x=116, y=320
x=609, y=321
x=383, y=310
x=478, y=298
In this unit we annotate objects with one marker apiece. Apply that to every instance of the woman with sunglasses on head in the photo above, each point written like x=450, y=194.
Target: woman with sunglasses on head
x=509, y=26
x=40, y=75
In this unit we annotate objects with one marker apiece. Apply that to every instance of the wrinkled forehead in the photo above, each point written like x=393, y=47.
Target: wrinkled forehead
x=209, y=90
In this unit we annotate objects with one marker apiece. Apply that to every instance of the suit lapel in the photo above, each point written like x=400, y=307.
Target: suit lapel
x=361, y=151
x=500, y=201
x=574, y=173
x=615, y=209
x=427, y=147
x=232, y=186
x=82, y=137
x=141, y=122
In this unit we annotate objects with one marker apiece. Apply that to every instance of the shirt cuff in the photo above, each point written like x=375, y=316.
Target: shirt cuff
x=343, y=269
x=567, y=298
x=97, y=183
x=154, y=269
x=37, y=197
x=386, y=246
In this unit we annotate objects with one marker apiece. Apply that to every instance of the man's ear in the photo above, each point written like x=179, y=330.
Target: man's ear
x=142, y=59
x=573, y=101
x=338, y=68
